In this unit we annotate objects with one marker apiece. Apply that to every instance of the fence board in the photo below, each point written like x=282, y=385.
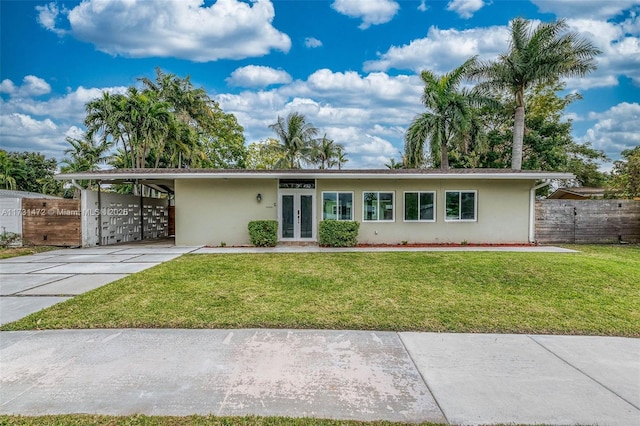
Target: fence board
x=587, y=221
x=51, y=222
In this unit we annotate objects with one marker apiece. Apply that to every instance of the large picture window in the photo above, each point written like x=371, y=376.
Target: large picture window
x=419, y=206
x=461, y=206
x=337, y=206
x=378, y=206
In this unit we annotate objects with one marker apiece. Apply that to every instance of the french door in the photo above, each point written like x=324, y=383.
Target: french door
x=297, y=215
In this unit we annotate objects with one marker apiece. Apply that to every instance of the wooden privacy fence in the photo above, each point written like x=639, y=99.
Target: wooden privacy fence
x=51, y=222
x=587, y=221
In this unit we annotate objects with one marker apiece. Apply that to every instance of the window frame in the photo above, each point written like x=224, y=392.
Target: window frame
x=475, y=205
x=393, y=205
x=336, y=207
x=404, y=207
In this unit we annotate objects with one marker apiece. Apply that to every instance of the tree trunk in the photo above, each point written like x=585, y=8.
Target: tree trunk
x=444, y=157
x=518, y=137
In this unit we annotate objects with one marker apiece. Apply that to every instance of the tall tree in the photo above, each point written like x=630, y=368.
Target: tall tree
x=536, y=55
x=341, y=157
x=625, y=176
x=296, y=136
x=448, y=118
x=263, y=155
x=323, y=152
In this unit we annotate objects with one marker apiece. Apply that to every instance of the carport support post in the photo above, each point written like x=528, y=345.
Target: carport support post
x=141, y=212
x=99, y=215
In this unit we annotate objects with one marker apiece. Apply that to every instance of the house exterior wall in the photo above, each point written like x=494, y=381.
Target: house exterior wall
x=216, y=211
x=11, y=215
x=502, y=215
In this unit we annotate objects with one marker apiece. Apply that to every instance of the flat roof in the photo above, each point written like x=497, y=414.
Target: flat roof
x=112, y=175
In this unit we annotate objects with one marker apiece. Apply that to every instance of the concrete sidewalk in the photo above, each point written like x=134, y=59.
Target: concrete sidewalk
x=364, y=375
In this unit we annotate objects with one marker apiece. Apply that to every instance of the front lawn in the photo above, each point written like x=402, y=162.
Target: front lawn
x=594, y=292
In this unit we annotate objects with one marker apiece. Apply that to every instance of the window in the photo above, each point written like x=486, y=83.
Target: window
x=461, y=206
x=378, y=206
x=337, y=206
x=419, y=206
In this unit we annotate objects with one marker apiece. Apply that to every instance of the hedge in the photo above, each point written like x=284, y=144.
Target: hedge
x=263, y=233
x=338, y=233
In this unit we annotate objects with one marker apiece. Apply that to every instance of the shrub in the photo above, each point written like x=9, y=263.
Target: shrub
x=338, y=233
x=263, y=233
x=9, y=239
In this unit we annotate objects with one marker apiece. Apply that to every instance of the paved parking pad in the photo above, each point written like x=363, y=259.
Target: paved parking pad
x=24, y=268
x=99, y=268
x=15, y=308
x=16, y=283
x=327, y=374
x=69, y=272
x=488, y=379
x=73, y=285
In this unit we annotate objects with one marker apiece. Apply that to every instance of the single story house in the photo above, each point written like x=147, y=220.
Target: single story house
x=214, y=207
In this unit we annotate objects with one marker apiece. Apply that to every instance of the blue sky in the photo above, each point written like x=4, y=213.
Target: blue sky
x=351, y=66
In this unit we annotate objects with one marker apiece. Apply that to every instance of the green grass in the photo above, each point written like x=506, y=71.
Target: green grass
x=140, y=420
x=594, y=292
x=8, y=252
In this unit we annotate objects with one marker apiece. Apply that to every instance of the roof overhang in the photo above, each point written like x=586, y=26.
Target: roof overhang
x=154, y=175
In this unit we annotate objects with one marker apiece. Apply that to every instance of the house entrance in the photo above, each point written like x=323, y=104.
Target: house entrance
x=297, y=212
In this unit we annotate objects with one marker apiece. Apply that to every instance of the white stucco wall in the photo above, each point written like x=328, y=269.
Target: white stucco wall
x=502, y=217
x=10, y=215
x=216, y=211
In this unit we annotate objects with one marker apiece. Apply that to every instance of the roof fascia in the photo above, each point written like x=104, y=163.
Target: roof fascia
x=284, y=175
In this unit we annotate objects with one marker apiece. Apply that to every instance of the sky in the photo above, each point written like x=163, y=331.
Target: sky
x=350, y=66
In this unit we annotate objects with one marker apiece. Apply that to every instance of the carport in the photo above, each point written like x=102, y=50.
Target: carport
x=112, y=218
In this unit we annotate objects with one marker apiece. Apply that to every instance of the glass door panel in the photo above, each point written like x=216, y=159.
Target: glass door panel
x=306, y=216
x=287, y=216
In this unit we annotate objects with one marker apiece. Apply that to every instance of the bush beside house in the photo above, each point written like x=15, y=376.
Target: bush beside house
x=335, y=233
x=263, y=233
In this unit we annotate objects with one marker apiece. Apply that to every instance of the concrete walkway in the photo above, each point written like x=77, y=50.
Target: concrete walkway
x=364, y=375
x=31, y=283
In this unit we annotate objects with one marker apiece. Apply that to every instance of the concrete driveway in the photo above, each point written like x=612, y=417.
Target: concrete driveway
x=31, y=283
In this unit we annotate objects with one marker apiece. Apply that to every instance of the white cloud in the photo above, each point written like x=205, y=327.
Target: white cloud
x=257, y=76
x=465, y=8
x=443, y=50
x=186, y=29
x=31, y=86
x=422, y=7
x=7, y=86
x=22, y=132
x=312, y=42
x=47, y=17
x=372, y=12
x=367, y=114
x=620, y=45
x=585, y=8
x=615, y=130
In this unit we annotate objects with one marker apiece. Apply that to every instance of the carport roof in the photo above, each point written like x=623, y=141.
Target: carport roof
x=123, y=175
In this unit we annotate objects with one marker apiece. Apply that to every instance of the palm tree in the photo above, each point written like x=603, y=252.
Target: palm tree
x=323, y=152
x=448, y=116
x=394, y=164
x=536, y=55
x=296, y=136
x=341, y=157
x=10, y=169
